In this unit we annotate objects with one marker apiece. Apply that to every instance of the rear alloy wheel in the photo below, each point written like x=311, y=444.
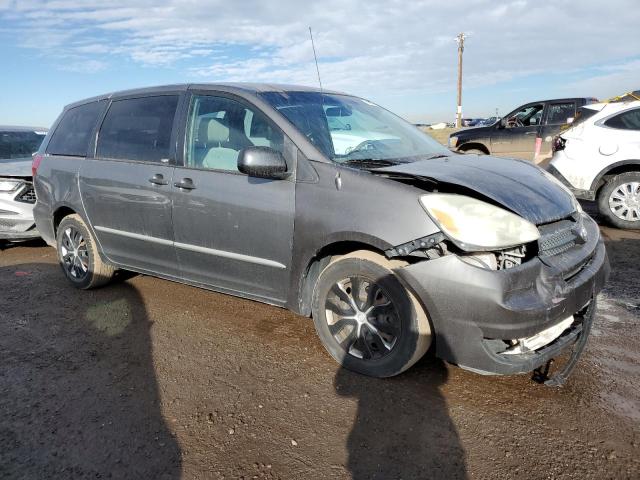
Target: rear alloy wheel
x=79, y=256
x=365, y=317
x=619, y=200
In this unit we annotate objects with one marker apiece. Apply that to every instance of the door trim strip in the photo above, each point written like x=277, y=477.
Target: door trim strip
x=232, y=255
x=194, y=248
x=137, y=236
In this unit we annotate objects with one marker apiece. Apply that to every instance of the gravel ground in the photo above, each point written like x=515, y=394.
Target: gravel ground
x=150, y=379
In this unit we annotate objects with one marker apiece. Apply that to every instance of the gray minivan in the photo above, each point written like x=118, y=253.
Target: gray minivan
x=330, y=206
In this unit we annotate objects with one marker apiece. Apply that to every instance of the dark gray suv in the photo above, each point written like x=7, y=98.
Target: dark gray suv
x=332, y=207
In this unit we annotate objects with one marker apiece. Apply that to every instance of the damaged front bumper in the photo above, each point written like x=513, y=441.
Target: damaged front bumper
x=476, y=312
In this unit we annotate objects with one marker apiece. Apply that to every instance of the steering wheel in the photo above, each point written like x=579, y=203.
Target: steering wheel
x=514, y=122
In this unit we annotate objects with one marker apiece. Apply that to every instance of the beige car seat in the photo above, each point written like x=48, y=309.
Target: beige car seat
x=219, y=157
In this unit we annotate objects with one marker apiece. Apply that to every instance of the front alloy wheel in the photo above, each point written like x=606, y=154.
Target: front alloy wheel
x=366, y=319
x=362, y=318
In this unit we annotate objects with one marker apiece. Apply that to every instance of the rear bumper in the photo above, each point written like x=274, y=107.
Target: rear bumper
x=579, y=193
x=473, y=309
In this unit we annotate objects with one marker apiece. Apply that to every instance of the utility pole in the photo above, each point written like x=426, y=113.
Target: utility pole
x=460, y=41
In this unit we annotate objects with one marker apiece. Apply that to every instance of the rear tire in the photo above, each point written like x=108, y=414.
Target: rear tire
x=78, y=255
x=619, y=201
x=366, y=319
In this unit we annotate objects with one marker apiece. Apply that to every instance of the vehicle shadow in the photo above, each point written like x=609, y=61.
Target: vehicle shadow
x=33, y=243
x=402, y=428
x=80, y=397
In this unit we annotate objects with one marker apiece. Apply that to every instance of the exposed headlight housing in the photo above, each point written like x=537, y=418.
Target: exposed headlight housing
x=9, y=185
x=474, y=225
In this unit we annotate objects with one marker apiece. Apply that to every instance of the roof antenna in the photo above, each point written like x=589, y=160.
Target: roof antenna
x=316, y=58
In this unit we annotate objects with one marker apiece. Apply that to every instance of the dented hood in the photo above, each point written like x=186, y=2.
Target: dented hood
x=517, y=185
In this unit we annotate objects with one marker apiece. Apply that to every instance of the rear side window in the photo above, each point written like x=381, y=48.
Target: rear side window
x=629, y=120
x=583, y=114
x=560, y=113
x=138, y=129
x=73, y=133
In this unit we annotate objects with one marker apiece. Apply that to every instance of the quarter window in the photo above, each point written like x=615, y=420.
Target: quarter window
x=220, y=127
x=559, y=113
x=138, y=129
x=629, y=120
x=73, y=133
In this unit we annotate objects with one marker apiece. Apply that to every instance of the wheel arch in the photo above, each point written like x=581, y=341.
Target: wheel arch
x=59, y=213
x=473, y=146
x=316, y=262
x=623, y=166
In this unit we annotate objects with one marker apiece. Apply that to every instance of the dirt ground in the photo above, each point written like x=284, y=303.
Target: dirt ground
x=150, y=379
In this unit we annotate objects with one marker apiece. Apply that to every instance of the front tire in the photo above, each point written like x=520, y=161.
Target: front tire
x=366, y=319
x=619, y=201
x=78, y=255
x=474, y=151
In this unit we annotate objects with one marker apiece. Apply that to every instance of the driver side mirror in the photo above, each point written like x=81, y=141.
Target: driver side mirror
x=502, y=123
x=262, y=162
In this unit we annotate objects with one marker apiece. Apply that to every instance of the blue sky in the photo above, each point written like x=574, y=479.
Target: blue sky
x=399, y=54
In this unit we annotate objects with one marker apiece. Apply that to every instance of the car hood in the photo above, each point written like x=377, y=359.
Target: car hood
x=16, y=167
x=519, y=186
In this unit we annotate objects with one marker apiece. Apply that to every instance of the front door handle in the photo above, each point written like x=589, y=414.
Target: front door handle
x=531, y=133
x=158, y=179
x=185, y=184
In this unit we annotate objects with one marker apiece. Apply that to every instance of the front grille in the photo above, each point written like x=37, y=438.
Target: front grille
x=556, y=238
x=28, y=195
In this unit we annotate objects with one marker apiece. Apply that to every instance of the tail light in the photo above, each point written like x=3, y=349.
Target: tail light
x=35, y=164
x=558, y=144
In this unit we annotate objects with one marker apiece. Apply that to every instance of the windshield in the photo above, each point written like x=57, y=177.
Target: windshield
x=19, y=144
x=352, y=130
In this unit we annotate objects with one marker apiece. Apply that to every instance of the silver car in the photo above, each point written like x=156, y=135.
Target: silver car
x=17, y=195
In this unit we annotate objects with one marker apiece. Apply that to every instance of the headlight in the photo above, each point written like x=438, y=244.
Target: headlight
x=7, y=185
x=476, y=225
x=453, y=141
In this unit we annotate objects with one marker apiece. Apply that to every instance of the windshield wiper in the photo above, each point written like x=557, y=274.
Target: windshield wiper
x=369, y=162
x=436, y=155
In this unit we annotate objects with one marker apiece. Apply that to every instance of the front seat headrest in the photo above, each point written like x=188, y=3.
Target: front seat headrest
x=217, y=132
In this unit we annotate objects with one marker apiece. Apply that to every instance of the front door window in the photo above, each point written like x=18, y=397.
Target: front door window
x=528, y=116
x=219, y=128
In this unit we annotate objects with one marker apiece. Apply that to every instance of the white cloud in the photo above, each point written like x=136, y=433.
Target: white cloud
x=611, y=80
x=363, y=46
x=84, y=66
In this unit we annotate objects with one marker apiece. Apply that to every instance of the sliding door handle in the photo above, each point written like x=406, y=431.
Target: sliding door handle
x=185, y=184
x=158, y=179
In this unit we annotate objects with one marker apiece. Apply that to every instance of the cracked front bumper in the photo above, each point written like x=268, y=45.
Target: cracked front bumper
x=473, y=310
